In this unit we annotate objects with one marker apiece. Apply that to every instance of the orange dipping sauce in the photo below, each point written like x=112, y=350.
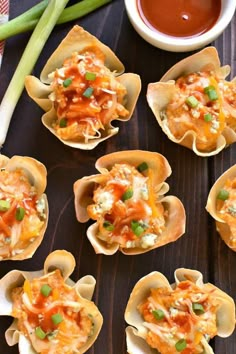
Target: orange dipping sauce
x=180, y=18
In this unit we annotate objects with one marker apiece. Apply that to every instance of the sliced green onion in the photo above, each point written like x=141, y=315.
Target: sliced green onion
x=63, y=123
x=88, y=92
x=137, y=228
x=40, y=333
x=192, y=101
x=25, y=66
x=208, y=117
x=142, y=167
x=52, y=335
x=158, y=314
x=4, y=205
x=223, y=194
x=20, y=213
x=180, y=345
x=128, y=194
x=57, y=318
x=211, y=93
x=45, y=290
x=67, y=82
x=108, y=226
x=198, y=308
x=90, y=76
x=29, y=19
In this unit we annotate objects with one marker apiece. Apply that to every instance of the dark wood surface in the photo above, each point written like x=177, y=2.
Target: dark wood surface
x=192, y=177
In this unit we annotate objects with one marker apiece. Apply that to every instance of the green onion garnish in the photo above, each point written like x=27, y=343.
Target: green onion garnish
x=192, y=101
x=108, y=226
x=198, y=309
x=208, y=117
x=223, y=194
x=20, y=213
x=90, y=76
x=137, y=228
x=128, y=194
x=40, y=333
x=88, y=92
x=142, y=167
x=158, y=314
x=4, y=205
x=180, y=345
x=67, y=82
x=63, y=123
x=211, y=93
x=45, y=290
x=57, y=318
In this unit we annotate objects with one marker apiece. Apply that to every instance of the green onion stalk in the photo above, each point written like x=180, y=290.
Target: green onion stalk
x=27, y=62
x=29, y=19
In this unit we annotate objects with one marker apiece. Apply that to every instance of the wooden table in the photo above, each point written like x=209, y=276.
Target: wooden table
x=192, y=177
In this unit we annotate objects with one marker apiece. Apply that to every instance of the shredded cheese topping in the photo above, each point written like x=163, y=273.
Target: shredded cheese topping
x=178, y=319
x=53, y=321
x=127, y=208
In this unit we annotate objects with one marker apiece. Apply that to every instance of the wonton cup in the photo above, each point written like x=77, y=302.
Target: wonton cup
x=39, y=90
x=159, y=95
x=221, y=225
x=36, y=174
x=136, y=332
x=65, y=262
x=83, y=190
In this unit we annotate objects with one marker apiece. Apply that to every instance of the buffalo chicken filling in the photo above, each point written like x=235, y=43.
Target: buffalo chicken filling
x=50, y=314
x=86, y=96
x=177, y=320
x=22, y=213
x=197, y=106
x=226, y=208
x=126, y=207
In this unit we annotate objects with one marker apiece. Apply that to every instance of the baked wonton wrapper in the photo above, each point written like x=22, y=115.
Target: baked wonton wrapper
x=227, y=230
x=136, y=332
x=27, y=177
x=174, y=222
x=159, y=95
x=77, y=40
x=65, y=262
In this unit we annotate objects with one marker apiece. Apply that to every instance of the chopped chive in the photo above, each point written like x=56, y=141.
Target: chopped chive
x=88, y=92
x=45, y=290
x=137, y=228
x=20, y=213
x=198, y=308
x=142, y=167
x=158, y=314
x=108, y=226
x=208, y=117
x=128, y=194
x=67, y=82
x=192, y=101
x=223, y=194
x=40, y=333
x=57, y=318
x=90, y=76
x=63, y=123
x=211, y=93
x=180, y=345
x=4, y=205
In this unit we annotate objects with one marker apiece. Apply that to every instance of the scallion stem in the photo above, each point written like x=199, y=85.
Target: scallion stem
x=25, y=66
x=29, y=19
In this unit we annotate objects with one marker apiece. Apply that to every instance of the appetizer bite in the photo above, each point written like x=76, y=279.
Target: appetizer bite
x=221, y=204
x=176, y=318
x=194, y=104
x=127, y=201
x=52, y=314
x=82, y=91
x=23, y=206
